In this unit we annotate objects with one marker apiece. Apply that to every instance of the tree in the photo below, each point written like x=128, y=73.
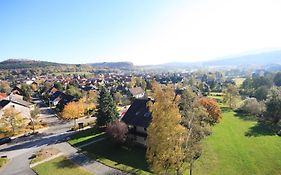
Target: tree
x=166, y=136
x=12, y=119
x=273, y=105
x=261, y=93
x=26, y=92
x=33, y=87
x=212, y=108
x=91, y=97
x=106, y=109
x=277, y=79
x=117, y=131
x=262, y=81
x=73, y=111
x=34, y=114
x=59, y=86
x=118, y=97
x=247, y=87
x=253, y=107
x=231, y=96
x=72, y=90
x=194, y=119
x=4, y=86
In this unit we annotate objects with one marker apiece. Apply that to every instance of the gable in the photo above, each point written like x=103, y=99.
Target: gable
x=138, y=114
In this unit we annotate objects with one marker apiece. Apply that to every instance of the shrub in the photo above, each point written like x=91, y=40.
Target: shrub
x=117, y=131
x=253, y=107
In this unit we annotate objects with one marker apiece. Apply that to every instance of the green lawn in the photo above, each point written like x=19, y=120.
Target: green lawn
x=3, y=161
x=86, y=136
x=60, y=166
x=130, y=159
x=239, y=146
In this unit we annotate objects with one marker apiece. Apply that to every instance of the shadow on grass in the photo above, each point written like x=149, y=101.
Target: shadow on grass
x=124, y=156
x=262, y=129
x=246, y=117
x=65, y=163
x=226, y=109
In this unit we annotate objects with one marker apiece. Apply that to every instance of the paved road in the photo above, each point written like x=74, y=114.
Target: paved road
x=82, y=160
x=20, y=150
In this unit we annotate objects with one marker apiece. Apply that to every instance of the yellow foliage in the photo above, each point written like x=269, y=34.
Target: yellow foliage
x=165, y=152
x=73, y=110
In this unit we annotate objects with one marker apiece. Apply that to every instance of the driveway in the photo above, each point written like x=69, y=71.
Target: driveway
x=20, y=149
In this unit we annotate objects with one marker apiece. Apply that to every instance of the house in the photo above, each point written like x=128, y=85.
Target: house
x=65, y=99
x=55, y=98
x=21, y=106
x=16, y=90
x=51, y=91
x=138, y=119
x=20, y=101
x=137, y=92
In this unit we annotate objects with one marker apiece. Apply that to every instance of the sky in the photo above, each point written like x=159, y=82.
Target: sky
x=139, y=31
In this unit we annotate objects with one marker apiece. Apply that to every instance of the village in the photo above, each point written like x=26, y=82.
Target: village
x=50, y=116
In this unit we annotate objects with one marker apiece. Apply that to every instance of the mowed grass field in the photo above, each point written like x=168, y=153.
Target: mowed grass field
x=239, y=146
x=60, y=166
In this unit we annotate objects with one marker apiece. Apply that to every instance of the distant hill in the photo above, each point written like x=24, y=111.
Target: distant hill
x=272, y=61
x=113, y=65
x=24, y=63
x=265, y=58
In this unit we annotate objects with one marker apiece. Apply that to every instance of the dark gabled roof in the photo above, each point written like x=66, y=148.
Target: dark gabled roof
x=65, y=98
x=89, y=88
x=138, y=114
x=52, y=89
x=55, y=95
x=136, y=91
x=3, y=103
x=16, y=88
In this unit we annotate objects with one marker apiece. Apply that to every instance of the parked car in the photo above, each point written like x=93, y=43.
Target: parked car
x=5, y=140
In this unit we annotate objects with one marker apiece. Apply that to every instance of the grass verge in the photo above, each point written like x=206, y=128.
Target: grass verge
x=86, y=136
x=3, y=161
x=128, y=159
x=61, y=166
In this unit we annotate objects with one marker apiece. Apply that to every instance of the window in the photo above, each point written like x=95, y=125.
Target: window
x=147, y=114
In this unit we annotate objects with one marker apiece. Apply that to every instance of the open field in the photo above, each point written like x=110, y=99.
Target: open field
x=60, y=166
x=238, y=146
x=239, y=81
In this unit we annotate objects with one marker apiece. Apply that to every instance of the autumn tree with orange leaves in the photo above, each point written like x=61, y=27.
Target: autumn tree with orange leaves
x=212, y=108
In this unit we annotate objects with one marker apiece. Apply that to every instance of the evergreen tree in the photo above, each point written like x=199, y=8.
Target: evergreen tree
x=106, y=112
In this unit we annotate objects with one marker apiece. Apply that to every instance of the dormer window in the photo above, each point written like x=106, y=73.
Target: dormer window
x=147, y=114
